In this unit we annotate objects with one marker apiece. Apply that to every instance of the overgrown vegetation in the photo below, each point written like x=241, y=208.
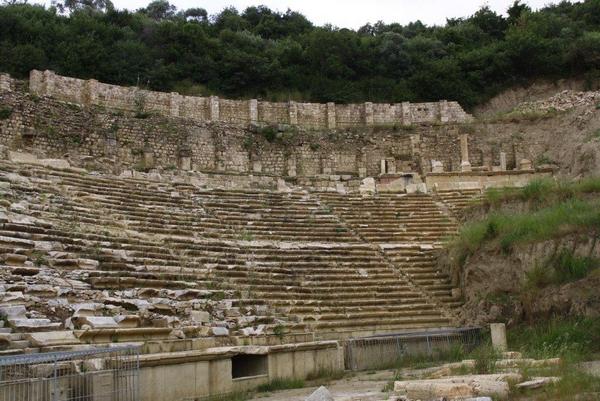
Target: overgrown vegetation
x=543, y=192
x=573, y=339
x=5, y=113
x=554, y=208
x=261, y=53
x=561, y=268
x=570, y=216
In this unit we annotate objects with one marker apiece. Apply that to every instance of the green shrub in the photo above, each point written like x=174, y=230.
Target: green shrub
x=485, y=358
x=5, y=113
x=269, y=132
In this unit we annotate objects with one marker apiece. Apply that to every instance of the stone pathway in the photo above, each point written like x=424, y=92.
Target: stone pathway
x=362, y=387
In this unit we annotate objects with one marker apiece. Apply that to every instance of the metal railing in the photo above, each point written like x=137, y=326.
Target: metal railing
x=107, y=374
x=387, y=351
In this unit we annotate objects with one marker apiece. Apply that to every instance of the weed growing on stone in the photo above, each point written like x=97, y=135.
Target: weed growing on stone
x=281, y=384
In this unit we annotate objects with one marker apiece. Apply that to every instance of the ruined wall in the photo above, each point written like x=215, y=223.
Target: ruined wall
x=104, y=138
x=308, y=115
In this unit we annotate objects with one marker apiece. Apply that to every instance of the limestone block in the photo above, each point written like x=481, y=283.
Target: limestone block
x=12, y=259
x=367, y=185
x=33, y=324
x=498, y=331
x=200, y=316
x=12, y=298
x=525, y=164
x=219, y=331
x=13, y=311
x=362, y=172
x=22, y=157
x=128, y=321
x=437, y=166
x=538, y=382
x=430, y=389
x=51, y=338
x=465, y=166
x=320, y=394
x=95, y=322
x=416, y=188
x=86, y=309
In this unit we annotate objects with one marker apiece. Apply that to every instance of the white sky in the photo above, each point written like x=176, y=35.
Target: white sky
x=353, y=13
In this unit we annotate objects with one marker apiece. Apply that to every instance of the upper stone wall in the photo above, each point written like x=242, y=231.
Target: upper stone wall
x=307, y=115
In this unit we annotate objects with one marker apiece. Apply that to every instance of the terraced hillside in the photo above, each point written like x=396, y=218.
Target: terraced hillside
x=88, y=258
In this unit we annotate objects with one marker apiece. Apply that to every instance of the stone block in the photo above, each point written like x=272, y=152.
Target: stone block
x=13, y=311
x=219, y=331
x=95, y=322
x=465, y=167
x=200, y=316
x=320, y=394
x=498, y=331
x=525, y=164
x=51, y=338
x=128, y=321
x=437, y=166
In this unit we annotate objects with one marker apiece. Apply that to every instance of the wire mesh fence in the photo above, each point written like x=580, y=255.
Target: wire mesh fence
x=110, y=374
x=386, y=351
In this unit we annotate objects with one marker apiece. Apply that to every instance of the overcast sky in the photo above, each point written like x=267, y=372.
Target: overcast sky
x=353, y=13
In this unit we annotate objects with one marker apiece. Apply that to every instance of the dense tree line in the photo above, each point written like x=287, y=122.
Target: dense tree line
x=279, y=56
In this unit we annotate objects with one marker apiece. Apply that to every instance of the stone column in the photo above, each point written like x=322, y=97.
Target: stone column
x=331, y=115
x=369, y=120
x=185, y=159
x=213, y=103
x=498, y=331
x=326, y=166
x=444, y=115
x=49, y=83
x=293, y=112
x=174, y=101
x=291, y=167
x=406, y=115
x=253, y=111
x=256, y=166
x=91, y=92
x=5, y=84
x=36, y=82
x=503, y=161
x=383, y=165
x=464, y=147
x=148, y=157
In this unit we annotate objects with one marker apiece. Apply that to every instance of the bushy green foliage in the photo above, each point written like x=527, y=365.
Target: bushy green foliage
x=280, y=56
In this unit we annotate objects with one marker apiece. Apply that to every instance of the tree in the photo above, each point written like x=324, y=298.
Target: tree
x=84, y=5
x=516, y=10
x=195, y=14
x=159, y=10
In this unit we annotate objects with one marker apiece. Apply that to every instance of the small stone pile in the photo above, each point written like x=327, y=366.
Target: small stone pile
x=562, y=101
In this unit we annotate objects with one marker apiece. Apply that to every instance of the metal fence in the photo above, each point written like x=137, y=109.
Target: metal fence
x=108, y=374
x=386, y=351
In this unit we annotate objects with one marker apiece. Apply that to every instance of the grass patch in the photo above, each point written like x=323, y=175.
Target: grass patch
x=485, y=358
x=508, y=230
x=563, y=267
x=5, y=113
x=543, y=191
x=281, y=384
x=571, y=339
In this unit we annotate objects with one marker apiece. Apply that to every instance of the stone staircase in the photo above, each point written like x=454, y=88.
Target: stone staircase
x=92, y=259
x=392, y=218
x=459, y=199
